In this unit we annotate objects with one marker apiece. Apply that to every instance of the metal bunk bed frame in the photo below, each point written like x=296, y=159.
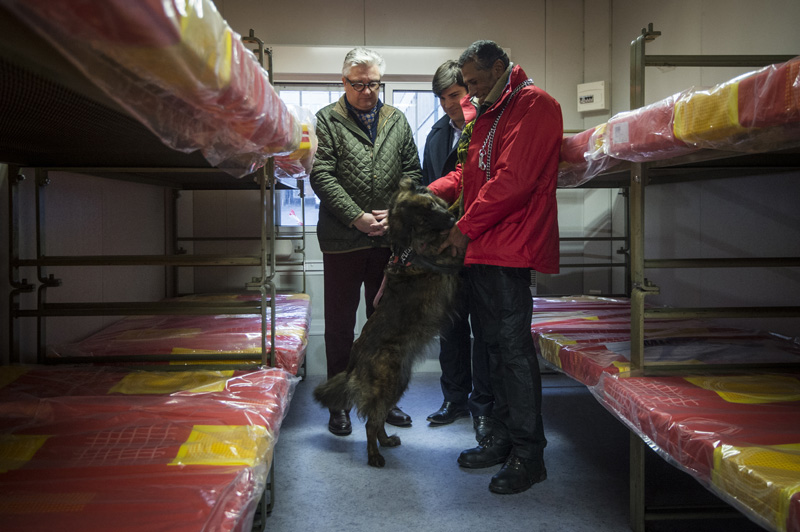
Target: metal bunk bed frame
x=640, y=176
x=267, y=260
x=177, y=178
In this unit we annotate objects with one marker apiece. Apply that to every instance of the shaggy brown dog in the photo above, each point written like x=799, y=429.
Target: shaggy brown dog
x=418, y=295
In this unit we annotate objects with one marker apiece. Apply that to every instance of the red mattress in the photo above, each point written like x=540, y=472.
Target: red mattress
x=739, y=434
x=755, y=112
x=583, y=156
x=180, y=335
x=83, y=448
x=587, y=337
x=181, y=71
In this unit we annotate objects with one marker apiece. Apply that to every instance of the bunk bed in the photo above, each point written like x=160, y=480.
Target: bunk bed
x=166, y=94
x=720, y=403
x=87, y=448
x=198, y=339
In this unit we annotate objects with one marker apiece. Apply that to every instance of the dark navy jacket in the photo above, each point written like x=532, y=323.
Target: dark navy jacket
x=438, y=157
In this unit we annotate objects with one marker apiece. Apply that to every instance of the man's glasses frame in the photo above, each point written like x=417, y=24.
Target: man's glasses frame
x=359, y=87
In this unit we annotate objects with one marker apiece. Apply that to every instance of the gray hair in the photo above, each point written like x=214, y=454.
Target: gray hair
x=363, y=56
x=446, y=75
x=485, y=54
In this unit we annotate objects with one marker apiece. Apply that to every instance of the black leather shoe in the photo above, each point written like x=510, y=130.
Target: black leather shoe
x=490, y=451
x=339, y=423
x=398, y=418
x=517, y=475
x=448, y=413
x=482, y=426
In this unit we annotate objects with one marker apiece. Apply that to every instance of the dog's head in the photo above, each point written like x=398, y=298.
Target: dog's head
x=418, y=219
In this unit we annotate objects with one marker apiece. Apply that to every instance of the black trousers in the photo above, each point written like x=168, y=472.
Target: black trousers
x=503, y=307
x=465, y=365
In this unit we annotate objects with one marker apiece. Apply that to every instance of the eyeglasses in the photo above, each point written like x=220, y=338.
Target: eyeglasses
x=359, y=87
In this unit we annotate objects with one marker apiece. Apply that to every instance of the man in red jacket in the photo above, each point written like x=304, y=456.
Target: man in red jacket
x=509, y=226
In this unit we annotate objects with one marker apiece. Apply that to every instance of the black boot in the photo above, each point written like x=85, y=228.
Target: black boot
x=482, y=426
x=517, y=475
x=490, y=451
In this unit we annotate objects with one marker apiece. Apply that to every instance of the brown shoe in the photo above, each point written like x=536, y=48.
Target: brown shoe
x=339, y=423
x=398, y=418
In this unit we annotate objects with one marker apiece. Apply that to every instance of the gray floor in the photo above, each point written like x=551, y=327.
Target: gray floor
x=323, y=481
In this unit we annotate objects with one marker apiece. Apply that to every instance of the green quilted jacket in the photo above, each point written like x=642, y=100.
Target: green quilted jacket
x=351, y=175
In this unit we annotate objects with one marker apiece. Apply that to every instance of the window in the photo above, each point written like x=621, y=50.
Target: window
x=420, y=106
x=422, y=110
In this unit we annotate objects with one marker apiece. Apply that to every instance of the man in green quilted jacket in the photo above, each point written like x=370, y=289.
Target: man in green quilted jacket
x=365, y=148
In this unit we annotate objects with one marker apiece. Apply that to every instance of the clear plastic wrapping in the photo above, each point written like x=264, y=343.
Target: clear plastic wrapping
x=584, y=156
x=646, y=134
x=92, y=448
x=176, y=335
x=755, y=112
x=737, y=433
x=297, y=165
x=179, y=69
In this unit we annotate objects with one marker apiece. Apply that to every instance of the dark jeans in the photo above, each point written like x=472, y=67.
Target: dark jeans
x=503, y=306
x=344, y=273
x=465, y=366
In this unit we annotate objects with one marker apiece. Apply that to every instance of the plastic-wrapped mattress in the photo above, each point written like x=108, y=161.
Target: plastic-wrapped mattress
x=179, y=69
x=106, y=449
x=174, y=335
x=738, y=433
x=755, y=112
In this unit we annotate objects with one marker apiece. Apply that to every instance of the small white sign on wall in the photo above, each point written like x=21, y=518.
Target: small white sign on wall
x=592, y=96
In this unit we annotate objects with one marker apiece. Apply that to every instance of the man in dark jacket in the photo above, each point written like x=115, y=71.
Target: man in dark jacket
x=509, y=226
x=439, y=156
x=365, y=149
x=465, y=369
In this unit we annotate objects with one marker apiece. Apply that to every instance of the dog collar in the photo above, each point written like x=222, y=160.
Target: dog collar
x=408, y=258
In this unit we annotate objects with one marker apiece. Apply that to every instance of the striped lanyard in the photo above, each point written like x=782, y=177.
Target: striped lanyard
x=485, y=153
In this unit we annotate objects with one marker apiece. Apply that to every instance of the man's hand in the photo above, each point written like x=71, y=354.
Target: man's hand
x=456, y=241
x=381, y=217
x=366, y=223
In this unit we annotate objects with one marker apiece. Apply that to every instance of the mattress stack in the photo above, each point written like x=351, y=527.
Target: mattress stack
x=169, y=337
x=98, y=448
x=179, y=69
x=738, y=433
x=758, y=111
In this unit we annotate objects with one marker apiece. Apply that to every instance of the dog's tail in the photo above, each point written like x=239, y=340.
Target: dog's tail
x=334, y=393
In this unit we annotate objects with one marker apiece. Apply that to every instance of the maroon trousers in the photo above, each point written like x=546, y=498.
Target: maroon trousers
x=344, y=274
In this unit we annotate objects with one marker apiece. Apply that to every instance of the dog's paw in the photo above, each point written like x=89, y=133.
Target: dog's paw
x=376, y=460
x=391, y=441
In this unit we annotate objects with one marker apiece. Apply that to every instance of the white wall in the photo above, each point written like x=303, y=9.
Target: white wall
x=754, y=216
x=85, y=215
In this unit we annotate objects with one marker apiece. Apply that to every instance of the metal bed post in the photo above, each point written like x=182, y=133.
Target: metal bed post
x=45, y=281
x=18, y=286
x=637, y=281
x=641, y=287
x=266, y=177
